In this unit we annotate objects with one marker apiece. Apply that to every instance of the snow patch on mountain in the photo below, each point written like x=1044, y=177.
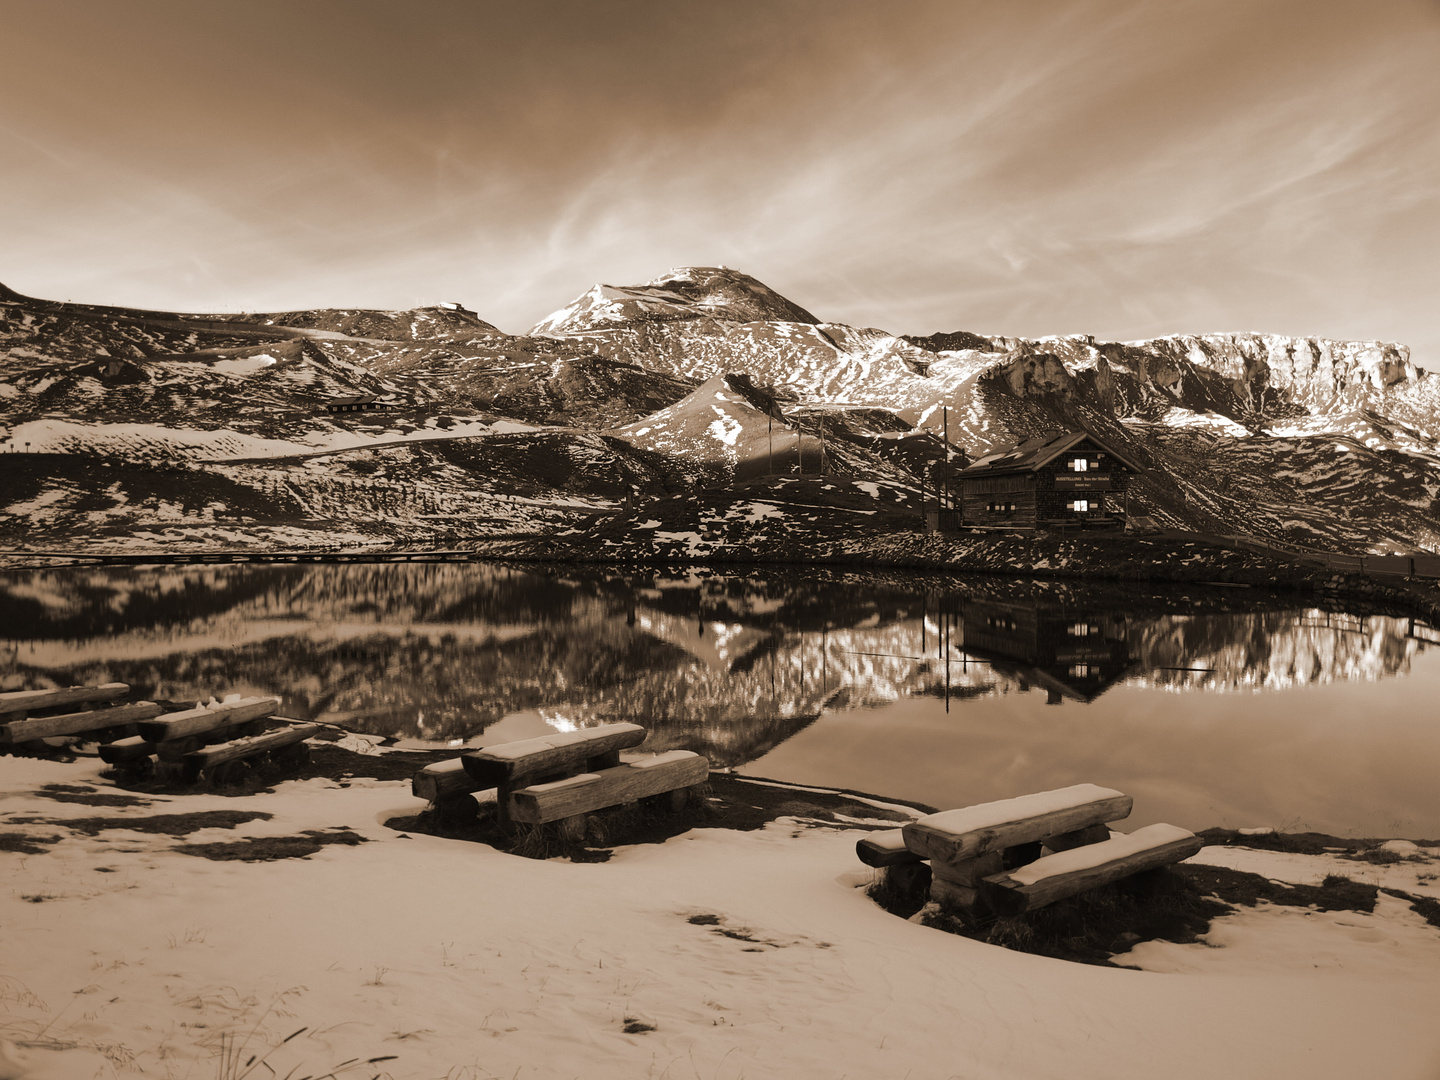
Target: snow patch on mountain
x=685, y=293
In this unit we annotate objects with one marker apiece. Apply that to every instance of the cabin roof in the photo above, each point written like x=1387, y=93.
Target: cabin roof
x=354, y=399
x=1034, y=454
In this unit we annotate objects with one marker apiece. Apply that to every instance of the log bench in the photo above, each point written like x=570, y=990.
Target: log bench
x=1016, y=855
x=211, y=740
x=1066, y=873
x=30, y=716
x=204, y=740
x=559, y=777
x=506, y=766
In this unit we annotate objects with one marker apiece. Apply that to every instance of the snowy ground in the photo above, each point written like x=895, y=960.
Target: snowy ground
x=123, y=956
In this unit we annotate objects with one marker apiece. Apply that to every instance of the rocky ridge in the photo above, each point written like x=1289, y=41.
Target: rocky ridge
x=658, y=403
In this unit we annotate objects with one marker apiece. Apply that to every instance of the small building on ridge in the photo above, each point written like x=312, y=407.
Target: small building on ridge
x=357, y=403
x=1071, y=479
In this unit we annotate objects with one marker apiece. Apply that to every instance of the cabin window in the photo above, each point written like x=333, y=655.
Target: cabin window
x=1080, y=464
x=1000, y=508
x=1081, y=629
x=1079, y=671
x=1080, y=506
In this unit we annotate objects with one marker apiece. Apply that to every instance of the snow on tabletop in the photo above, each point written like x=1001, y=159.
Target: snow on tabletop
x=663, y=759
x=988, y=815
x=514, y=751
x=886, y=839
x=557, y=785
x=454, y=765
x=1087, y=856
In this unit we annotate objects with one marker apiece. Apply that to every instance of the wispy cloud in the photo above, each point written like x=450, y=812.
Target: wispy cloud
x=1111, y=167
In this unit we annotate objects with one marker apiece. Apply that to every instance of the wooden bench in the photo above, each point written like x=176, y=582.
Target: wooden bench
x=1066, y=873
x=507, y=766
x=285, y=745
x=1015, y=855
x=204, y=740
x=210, y=740
x=28, y=716
x=559, y=777
x=586, y=792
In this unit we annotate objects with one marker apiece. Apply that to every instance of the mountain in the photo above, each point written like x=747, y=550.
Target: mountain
x=700, y=400
x=703, y=294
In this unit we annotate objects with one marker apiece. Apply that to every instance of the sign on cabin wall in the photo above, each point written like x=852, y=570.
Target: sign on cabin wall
x=1082, y=483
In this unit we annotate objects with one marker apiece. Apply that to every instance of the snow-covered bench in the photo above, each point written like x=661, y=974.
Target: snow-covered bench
x=555, y=777
x=1018, y=854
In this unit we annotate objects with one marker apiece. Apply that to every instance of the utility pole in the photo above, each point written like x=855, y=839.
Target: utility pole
x=945, y=428
x=770, y=435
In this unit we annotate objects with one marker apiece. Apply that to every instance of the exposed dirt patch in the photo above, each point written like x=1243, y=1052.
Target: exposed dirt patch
x=164, y=824
x=267, y=848
x=88, y=796
x=27, y=843
x=746, y=803
x=1093, y=926
x=1427, y=907
x=1335, y=893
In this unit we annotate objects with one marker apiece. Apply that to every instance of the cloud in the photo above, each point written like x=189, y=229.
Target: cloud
x=1109, y=167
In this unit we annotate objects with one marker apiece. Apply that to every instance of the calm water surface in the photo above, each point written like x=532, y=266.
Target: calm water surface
x=1210, y=706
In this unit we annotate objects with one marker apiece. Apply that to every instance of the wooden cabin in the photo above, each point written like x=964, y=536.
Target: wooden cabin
x=357, y=403
x=1069, y=480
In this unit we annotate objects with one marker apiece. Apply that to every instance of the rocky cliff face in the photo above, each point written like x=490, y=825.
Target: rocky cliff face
x=1253, y=379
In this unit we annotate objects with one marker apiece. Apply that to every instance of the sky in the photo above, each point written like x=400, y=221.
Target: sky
x=1105, y=167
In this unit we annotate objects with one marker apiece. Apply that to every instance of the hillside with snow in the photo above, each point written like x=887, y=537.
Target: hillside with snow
x=182, y=432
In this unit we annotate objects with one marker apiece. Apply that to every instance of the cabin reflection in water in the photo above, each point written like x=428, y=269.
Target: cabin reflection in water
x=1075, y=653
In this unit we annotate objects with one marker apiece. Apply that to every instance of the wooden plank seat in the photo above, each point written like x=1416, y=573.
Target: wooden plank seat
x=89, y=721
x=209, y=760
x=1066, y=873
x=584, y=793
x=885, y=847
x=28, y=716
x=15, y=704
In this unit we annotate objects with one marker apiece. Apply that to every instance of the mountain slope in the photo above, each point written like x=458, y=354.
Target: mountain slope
x=708, y=293
x=701, y=376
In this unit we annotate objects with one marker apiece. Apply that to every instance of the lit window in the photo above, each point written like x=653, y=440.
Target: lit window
x=1079, y=671
x=1080, y=505
x=1080, y=464
x=1081, y=629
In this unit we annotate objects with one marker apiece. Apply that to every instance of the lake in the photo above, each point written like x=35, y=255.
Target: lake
x=1210, y=705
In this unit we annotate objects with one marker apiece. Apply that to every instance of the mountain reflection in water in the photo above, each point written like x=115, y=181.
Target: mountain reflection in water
x=732, y=666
